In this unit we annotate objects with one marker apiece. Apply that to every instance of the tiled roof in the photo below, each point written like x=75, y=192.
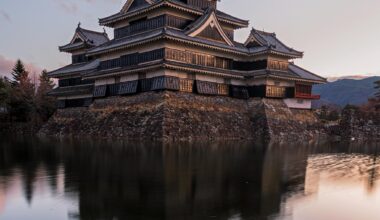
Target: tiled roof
x=179, y=35
x=126, y=41
x=270, y=40
x=304, y=74
x=224, y=15
x=74, y=68
x=93, y=37
x=294, y=72
x=88, y=39
x=174, y=3
x=72, y=90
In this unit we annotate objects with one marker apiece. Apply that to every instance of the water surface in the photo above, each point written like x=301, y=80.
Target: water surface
x=60, y=180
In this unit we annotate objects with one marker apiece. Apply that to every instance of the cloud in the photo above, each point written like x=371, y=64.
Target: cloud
x=5, y=16
x=7, y=64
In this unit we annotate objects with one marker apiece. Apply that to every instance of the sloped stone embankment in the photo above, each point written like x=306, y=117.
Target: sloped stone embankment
x=184, y=116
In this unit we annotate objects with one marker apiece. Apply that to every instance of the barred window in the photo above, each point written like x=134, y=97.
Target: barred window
x=186, y=85
x=223, y=89
x=275, y=91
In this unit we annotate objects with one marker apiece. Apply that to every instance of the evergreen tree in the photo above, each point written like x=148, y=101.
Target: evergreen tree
x=45, y=104
x=18, y=72
x=4, y=92
x=22, y=96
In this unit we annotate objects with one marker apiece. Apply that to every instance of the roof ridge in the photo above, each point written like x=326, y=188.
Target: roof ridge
x=94, y=32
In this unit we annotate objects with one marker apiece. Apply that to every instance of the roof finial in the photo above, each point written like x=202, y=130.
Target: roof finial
x=79, y=25
x=104, y=30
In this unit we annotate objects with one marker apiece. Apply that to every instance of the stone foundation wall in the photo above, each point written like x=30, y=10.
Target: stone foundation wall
x=359, y=125
x=275, y=121
x=183, y=116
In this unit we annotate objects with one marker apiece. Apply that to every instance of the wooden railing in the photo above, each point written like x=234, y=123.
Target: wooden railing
x=198, y=58
x=304, y=91
x=150, y=24
x=183, y=56
x=306, y=96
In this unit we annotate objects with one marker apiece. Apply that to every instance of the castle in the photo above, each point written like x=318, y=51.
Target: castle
x=186, y=46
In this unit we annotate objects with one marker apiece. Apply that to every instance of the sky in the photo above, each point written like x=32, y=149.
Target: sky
x=339, y=37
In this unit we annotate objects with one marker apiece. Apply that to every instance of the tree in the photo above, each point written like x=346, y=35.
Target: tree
x=18, y=72
x=22, y=95
x=45, y=104
x=4, y=94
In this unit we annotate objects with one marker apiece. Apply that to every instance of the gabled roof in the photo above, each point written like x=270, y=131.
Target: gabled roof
x=84, y=38
x=209, y=19
x=223, y=17
x=140, y=4
x=72, y=69
x=258, y=39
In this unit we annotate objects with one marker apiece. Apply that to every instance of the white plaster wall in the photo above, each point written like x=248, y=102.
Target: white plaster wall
x=209, y=78
x=272, y=82
x=298, y=103
x=285, y=83
x=106, y=81
x=175, y=73
x=237, y=82
x=127, y=78
x=155, y=74
x=257, y=82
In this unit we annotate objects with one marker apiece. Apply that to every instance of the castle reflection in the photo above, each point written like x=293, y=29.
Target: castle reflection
x=167, y=181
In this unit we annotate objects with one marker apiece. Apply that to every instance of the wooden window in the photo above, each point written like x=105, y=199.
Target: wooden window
x=186, y=85
x=275, y=91
x=303, y=89
x=198, y=59
x=223, y=89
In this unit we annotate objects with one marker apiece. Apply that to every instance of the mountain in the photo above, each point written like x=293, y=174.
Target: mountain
x=345, y=91
x=356, y=77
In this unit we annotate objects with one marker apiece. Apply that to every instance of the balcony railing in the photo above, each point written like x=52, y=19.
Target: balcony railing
x=300, y=95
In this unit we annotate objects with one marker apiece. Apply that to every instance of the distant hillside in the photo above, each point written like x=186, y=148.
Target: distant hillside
x=356, y=77
x=346, y=91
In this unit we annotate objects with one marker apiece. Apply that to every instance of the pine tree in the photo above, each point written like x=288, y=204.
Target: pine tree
x=45, y=104
x=22, y=95
x=18, y=72
x=4, y=92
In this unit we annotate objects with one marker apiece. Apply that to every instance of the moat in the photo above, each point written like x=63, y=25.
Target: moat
x=84, y=179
